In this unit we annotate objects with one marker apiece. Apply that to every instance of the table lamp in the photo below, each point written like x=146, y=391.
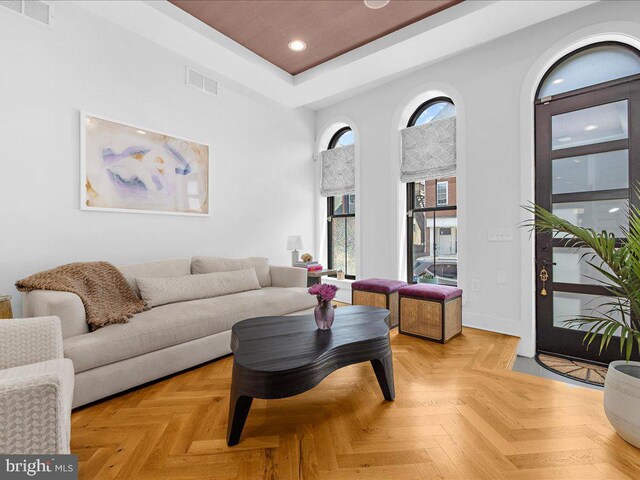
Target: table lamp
x=294, y=243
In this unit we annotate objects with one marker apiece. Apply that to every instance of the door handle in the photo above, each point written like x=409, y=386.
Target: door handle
x=544, y=276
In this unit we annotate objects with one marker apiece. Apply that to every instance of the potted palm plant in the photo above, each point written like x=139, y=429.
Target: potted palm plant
x=619, y=266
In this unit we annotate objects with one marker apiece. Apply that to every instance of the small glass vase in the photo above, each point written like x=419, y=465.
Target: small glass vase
x=324, y=314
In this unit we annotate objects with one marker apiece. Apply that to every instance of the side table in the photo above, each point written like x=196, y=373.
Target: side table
x=316, y=277
x=5, y=307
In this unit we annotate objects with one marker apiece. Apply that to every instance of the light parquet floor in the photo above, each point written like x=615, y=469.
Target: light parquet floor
x=459, y=413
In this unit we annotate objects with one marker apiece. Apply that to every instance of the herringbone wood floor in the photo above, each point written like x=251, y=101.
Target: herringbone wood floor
x=459, y=413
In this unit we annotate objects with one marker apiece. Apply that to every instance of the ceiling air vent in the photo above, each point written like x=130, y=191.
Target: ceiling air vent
x=41, y=12
x=201, y=81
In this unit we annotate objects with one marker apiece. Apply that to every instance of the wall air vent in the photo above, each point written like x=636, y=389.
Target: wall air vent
x=41, y=12
x=201, y=81
x=14, y=5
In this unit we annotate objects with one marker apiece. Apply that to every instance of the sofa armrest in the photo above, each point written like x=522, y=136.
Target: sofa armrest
x=288, y=276
x=65, y=305
x=29, y=340
x=33, y=417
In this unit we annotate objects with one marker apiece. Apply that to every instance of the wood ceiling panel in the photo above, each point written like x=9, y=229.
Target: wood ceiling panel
x=328, y=27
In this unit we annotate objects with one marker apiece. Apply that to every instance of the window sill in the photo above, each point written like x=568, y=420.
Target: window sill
x=344, y=292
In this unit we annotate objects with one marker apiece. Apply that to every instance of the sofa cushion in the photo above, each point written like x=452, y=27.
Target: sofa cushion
x=378, y=285
x=431, y=291
x=177, y=323
x=161, y=291
x=174, y=267
x=204, y=264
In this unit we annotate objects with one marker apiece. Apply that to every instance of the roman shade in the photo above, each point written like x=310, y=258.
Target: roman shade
x=338, y=171
x=429, y=151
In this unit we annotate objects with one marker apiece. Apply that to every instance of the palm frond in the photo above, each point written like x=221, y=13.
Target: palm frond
x=616, y=261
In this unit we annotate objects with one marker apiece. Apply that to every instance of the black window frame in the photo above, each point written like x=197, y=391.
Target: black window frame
x=597, y=86
x=412, y=208
x=333, y=143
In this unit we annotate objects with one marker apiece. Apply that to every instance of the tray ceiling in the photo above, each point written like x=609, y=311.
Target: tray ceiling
x=429, y=40
x=329, y=28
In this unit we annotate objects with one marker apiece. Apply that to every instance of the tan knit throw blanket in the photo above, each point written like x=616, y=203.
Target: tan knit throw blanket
x=105, y=293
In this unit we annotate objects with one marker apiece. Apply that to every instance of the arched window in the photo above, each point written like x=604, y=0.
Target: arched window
x=342, y=138
x=432, y=226
x=591, y=65
x=587, y=121
x=341, y=219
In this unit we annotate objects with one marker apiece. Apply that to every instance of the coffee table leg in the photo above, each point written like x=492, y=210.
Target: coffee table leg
x=383, y=367
x=239, y=406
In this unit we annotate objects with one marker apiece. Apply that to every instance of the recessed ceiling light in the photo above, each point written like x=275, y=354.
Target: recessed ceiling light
x=376, y=4
x=590, y=127
x=141, y=132
x=559, y=178
x=564, y=139
x=297, y=45
x=613, y=210
x=557, y=81
x=576, y=160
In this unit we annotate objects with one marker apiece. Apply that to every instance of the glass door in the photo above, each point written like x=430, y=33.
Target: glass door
x=586, y=166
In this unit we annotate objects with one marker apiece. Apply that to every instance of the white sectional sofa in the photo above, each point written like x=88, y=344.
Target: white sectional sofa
x=167, y=338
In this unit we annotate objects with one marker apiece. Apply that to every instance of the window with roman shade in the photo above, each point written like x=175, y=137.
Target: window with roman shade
x=429, y=169
x=338, y=185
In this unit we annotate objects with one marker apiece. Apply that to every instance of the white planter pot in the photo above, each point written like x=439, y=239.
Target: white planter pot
x=622, y=399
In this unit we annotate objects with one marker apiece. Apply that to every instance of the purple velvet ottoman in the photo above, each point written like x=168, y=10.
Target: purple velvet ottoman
x=431, y=311
x=378, y=292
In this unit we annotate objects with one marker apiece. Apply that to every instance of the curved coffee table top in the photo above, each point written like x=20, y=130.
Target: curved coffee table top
x=278, y=357
x=284, y=343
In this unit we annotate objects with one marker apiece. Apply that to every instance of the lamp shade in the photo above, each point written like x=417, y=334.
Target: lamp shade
x=294, y=242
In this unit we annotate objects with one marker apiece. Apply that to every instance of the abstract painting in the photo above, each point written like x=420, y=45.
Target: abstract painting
x=132, y=169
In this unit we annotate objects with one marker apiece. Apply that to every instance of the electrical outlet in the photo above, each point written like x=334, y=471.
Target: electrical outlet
x=501, y=277
x=475, y=285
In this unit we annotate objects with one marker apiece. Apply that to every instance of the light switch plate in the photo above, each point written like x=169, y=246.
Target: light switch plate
x=500, y=235
x=501, y=277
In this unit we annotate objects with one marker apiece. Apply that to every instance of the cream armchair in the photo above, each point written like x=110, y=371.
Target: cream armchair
x=36, y=387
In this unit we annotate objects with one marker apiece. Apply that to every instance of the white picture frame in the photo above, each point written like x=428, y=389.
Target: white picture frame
x=110, y=202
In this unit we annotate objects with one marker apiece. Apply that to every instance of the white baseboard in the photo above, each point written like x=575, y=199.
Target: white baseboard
x=526, y=347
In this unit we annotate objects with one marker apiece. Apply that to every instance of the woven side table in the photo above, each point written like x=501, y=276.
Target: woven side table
x=5, y=307
x=430, y=311
x=378, y=292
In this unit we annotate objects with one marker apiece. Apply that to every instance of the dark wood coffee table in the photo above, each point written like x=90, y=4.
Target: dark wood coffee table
x=278, y=357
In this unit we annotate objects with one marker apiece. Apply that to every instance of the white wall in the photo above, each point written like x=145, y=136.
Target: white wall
x=492, y=86
x=262, y=173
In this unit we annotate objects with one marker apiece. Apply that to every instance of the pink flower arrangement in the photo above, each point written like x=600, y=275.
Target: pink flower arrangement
x=323, y=291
